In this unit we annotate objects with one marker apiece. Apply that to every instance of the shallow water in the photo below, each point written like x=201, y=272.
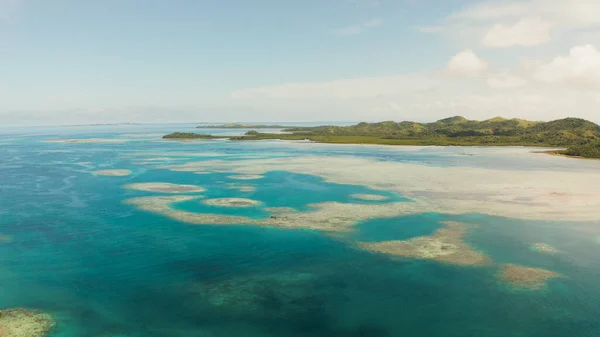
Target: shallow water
x=104, y=268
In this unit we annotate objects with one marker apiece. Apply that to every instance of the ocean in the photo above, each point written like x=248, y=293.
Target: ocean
x=71, y=244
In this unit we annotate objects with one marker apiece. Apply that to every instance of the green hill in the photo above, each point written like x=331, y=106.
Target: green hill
x=580, y=136
x=455, y=130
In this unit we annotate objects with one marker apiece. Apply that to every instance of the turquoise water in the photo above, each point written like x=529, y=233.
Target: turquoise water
x=104, y=268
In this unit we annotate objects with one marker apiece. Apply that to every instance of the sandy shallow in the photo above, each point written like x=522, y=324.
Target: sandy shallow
x=113, y=173
x=24, y=323
x=536, y=195
x=525, y=277
x=232, y=202
x=241, y=187
x=445, y=245
x=326, y=217
x=86, y=140
x=165, y=188
x=280, y=209
x=162, y=205
x=369, y=197
x=544, y=248
x=243, y=177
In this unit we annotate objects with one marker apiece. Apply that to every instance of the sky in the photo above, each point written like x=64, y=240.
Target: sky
x=159, y=61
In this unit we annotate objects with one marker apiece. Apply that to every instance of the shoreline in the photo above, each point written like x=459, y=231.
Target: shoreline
x=556, y=154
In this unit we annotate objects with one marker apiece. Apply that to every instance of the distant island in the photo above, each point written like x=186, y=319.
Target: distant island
x=190, y=135
x=244, y=126
x=580, y=137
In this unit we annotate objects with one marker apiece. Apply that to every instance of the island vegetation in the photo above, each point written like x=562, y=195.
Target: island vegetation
x=189, y=135
x=580, y=137
x=591, y=150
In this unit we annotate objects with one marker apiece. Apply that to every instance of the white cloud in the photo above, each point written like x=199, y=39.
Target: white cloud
x=567, y=13
x=504, y=81
x=357, y=29
x=580, y=68
x=525, y=33
x=503, y=24
x=488, y=11
x=466, y=63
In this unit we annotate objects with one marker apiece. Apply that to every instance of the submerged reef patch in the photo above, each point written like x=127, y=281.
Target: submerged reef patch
x=24, y=323
x=369, y=197
x=445, y=245
x=544, y=248
x=113, y=173
x=232, y=202
x=165, y=188
x=4, y=239
x=526, y=277
x=259, y=294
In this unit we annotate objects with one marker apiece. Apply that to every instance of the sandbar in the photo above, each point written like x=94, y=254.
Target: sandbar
x=165, y=188
x=24, y=323
x=544, y=248
x=245, y=176
x=369, y=197
x=232, y=202
x=113, y=173
x=445, y=245
x=525, y=277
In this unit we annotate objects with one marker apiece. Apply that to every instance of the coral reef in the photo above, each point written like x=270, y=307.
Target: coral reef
x=280, y=209
x=327, y=217
x=544, y=248
x=525, y=277
x=232, y=202
x=24, y=323
x=165, y=188
x=242, y=187
x=536, y=195
x=369, y=197
x=161, y=205
x=113, y=173
x=259, y=294
x=445, y=245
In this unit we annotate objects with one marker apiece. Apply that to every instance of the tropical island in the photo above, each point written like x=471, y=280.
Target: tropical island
x=580, y=137
x=245, y=126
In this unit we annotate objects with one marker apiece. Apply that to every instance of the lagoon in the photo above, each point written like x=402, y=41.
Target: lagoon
x=295, y=262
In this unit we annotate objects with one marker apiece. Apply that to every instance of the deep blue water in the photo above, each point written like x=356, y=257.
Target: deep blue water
x=104, y=268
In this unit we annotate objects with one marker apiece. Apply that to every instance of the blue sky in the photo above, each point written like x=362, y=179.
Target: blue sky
x=84, y=61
